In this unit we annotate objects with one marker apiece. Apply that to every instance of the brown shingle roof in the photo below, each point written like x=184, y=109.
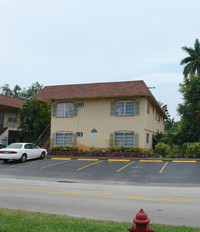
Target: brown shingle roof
x=10, y=101
x=128, y=88
x=98, y=90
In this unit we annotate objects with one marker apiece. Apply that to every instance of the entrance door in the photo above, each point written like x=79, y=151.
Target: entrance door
x=1, y=118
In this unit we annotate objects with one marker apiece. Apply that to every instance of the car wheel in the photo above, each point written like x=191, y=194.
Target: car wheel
x=23, y=158
x=5, y=161
x=42, y=155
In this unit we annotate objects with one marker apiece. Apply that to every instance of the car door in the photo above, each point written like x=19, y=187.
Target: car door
x=35, y=151
x=28, y=151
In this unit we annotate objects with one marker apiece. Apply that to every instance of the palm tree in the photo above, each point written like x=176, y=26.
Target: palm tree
x=192, y=62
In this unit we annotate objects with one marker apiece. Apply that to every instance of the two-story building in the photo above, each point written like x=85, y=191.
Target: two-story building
x=9, y=119
x=103, y=114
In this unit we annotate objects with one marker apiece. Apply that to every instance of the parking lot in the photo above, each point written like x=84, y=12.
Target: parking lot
x=129, y=171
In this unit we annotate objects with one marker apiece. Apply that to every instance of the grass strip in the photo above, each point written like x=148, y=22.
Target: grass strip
x=26, y=221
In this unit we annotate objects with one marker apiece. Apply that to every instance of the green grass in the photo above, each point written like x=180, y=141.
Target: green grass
x=24, y=221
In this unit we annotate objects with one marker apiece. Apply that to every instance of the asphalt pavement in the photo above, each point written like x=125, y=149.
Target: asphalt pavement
x=117, y=202
x=132, y=172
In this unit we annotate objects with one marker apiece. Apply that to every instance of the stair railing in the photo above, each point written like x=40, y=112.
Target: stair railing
x=43, y=135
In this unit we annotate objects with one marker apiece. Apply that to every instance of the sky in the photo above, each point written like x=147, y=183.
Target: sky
x=57, y=42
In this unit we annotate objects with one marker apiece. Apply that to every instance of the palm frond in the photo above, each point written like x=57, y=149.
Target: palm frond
x=192, y=62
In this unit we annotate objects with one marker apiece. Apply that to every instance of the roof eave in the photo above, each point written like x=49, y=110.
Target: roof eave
x=150, y=97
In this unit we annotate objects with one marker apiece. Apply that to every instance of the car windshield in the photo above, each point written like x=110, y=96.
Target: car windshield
x=15, y=145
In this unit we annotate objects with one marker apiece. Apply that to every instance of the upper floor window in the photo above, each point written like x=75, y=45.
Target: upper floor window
x=156, y=115
x=125, y=108
x=148, y=108
x=80, y=105
x=12, y=117
x=65, y=110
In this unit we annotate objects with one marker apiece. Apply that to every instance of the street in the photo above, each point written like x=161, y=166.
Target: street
x=164, y=205
x=106, y=190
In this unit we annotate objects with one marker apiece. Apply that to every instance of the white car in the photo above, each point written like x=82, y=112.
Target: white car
x=22, y=152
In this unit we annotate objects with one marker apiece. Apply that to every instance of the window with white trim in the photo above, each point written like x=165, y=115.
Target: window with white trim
x=124, y=139
x=65, y=110
x=124, y=108
x=12, y=117
x=64, y=139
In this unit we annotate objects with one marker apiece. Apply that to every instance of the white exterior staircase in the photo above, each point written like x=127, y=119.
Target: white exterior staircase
x=4, y=137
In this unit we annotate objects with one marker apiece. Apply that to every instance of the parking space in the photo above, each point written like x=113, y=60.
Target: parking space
x=140, y=171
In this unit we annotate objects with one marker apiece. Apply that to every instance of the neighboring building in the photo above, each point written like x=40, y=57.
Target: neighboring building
x=103, y=114
x=9, y=119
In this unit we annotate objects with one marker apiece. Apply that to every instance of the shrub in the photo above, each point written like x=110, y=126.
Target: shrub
x=126, y=149
x=114, y=149
x=175, y=152
x=64, y=148
x=162, y=149
x=150, y=152
x=192, y=150
x=97, y=149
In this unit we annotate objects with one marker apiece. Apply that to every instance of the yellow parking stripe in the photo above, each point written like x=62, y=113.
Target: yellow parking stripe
x=55, y=164
x=61, y=158
x=163, y=167
x=88, y=165
x=184, y=161
x=125, y=166
x=151, y=161
x=15, y=165
x=119, y=160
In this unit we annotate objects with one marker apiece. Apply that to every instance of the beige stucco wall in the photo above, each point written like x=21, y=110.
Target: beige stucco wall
x=10, y=124
x=96, y=114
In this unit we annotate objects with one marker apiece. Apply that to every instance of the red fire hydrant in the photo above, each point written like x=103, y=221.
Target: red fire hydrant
x=141, y=223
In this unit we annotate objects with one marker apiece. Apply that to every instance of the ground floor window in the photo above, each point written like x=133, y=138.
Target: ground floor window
x=124, y=139
x=64, y=139
x=147, y=137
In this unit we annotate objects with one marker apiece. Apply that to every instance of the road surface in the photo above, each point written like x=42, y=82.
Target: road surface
x=109, y=201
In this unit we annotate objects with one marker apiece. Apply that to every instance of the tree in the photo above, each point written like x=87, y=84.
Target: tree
x=18, y=92
x=32, y=91
x=170, y=124
x=189, y=130
x=34, y=118
x=5, y=90
x=192, y=62
x=165, y=109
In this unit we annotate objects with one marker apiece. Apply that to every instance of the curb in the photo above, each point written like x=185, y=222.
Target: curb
x=147, y=160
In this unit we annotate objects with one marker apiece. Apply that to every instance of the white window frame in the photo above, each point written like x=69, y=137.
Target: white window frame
x=66, y=138
x=65, y=110
x=124, y=141
x=121, y=108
